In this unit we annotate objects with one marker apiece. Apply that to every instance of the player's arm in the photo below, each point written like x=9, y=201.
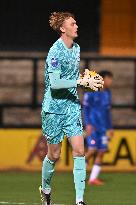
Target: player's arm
x=109, y=120
x=87, y=113
x=57, y=83
x=108, y=117
x=54, y=64
x=110, y=131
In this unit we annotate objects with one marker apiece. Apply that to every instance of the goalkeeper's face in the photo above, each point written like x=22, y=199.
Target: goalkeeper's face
x=69, y=28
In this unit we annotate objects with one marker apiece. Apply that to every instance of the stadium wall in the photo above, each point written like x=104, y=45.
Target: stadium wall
x=25, y=24
x=24, y=149
x=118, y=27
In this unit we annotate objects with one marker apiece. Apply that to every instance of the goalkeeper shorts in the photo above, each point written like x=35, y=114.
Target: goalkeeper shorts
x=56, y=126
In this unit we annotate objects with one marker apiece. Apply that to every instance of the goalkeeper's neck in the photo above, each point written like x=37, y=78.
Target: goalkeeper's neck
x=67, y=41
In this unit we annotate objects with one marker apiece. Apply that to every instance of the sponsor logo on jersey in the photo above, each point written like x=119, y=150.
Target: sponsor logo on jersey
x=54, y=62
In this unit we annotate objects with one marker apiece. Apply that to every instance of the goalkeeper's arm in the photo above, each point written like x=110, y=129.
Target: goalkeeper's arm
x=57, y=83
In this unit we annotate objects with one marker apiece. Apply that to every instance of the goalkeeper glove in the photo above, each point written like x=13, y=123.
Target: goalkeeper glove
x=91, y=80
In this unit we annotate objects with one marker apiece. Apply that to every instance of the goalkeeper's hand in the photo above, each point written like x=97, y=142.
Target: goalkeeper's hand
x=91, y=80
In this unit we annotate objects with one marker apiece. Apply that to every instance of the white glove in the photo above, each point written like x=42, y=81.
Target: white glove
x=91, y=80
x=96, y=82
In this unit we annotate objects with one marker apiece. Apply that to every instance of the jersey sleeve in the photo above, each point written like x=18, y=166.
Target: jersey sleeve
x=109, y=115
x=109, y=120
x=57, y=83
x=54, y=64
x=87, y=102
x=53, y=60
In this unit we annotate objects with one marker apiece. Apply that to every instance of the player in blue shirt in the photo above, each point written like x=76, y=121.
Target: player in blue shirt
x=98, y=124
x=61, y=110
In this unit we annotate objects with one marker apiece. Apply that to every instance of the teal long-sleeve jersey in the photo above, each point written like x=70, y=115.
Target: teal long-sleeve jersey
x=61, y=74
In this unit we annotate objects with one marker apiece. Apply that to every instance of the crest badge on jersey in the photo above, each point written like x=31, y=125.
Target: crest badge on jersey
x=54, y=62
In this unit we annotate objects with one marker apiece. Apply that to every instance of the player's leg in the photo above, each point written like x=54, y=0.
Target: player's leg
x=89, y=154
x=47, y=172
x=48, y=165
x=96, y=169
x=91, y=148
x=93, y=142
x=52, y=131
x=74, y=131
x=91, y=151
x=79, y=171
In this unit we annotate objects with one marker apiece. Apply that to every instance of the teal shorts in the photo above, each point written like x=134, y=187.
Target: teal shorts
x=56, y=126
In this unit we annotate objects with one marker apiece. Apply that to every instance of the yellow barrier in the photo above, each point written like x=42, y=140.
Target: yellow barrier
x=25, y=149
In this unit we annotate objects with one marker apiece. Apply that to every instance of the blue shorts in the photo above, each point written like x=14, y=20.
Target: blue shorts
x=97, y=141
x=56, y=126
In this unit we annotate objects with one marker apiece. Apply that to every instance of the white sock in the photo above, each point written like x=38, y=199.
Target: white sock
x=78, y=200
x=95, y=172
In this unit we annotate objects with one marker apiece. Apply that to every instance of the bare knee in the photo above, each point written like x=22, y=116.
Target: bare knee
x=99, y=157
x=79, y=152
x=100, y=154
x=54, y=151
x=54, y=156
x=90, y=153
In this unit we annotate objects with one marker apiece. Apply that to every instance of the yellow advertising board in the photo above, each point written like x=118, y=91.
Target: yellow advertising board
x=24, y=149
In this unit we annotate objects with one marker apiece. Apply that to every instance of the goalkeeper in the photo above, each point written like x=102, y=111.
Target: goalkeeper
x=61, y=110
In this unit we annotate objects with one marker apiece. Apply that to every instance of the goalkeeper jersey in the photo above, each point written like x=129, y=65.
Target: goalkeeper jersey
x=97, y=110
x=66, y=62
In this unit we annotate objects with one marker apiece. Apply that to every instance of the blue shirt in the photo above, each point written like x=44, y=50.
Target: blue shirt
x=97, y=110
x=66, y=62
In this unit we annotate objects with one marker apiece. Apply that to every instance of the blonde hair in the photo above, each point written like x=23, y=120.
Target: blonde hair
x=56, y=20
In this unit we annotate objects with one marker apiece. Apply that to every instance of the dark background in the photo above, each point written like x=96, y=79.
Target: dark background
x=24, y=24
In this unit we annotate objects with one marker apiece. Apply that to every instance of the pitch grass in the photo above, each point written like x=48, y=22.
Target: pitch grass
x=120, y=189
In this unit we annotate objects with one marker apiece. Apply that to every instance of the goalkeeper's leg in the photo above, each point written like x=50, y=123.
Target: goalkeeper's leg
x=48, y=170
x=52, y=130
x=74, y=130
x=79, y=171
x=49, y=163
